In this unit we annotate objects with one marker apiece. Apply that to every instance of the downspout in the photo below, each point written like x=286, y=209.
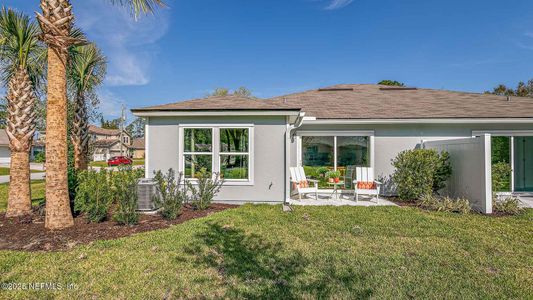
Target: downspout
x=289, y=137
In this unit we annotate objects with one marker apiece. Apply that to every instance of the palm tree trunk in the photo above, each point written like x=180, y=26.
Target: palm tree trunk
x=80, y=133
x=58, y=213
x=20, y=130
x=19, y=203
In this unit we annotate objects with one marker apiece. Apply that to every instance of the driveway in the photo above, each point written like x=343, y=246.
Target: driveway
x=34, y=176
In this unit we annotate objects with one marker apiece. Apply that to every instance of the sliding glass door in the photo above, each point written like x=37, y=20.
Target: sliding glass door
x=341, y=153
x=523, y=164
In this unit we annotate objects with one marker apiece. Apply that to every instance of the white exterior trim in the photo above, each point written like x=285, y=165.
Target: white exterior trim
x=503, y=132
x=216, y=113
x=215, y=152
x=421, y=121
x=488, y=173
x=511, y=149
x=147, y=148
x=335, y=133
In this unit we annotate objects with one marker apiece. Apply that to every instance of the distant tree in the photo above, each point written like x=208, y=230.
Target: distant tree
x=220, y=92
x=136, y=128
x=391, y=83
x=110, y=124
x=522, y=90
x=241, y=91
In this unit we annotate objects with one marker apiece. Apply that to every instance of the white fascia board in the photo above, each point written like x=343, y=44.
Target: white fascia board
x=421, y=121
x=216, y=113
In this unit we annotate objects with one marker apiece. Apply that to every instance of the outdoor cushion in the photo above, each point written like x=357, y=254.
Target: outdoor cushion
x=366, y=185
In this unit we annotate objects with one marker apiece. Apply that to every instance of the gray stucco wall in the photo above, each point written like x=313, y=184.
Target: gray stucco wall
x=389, y=140
x=269, y=154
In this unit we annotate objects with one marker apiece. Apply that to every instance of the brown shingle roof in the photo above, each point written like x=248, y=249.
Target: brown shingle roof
x=104, y=143
x=230, y=102
x=103, y=131
x=370, y=101
x=137, y=143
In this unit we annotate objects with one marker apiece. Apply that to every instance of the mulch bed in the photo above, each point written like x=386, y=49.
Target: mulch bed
x=29, y=234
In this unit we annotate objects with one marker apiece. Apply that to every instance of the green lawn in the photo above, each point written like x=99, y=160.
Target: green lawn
x=5, y=171
x=136, y=162
x=37, y=193
x=313, y=252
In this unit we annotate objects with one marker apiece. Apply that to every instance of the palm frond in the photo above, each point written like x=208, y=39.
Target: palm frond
x=20, y=46
x=87, y=68
x=140, y=6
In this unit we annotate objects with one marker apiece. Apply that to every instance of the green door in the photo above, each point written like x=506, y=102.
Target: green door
x=523, y=164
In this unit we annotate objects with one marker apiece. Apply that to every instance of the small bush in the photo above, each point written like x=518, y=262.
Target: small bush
x=40, y=157
x=204, y=189
x=448, y=204
x=125, y=195
x=420, y=172
x=509, y=206
x=170, y=195
x=501, y=177
x=321, y=171
x=94, y=194
x=333, y=174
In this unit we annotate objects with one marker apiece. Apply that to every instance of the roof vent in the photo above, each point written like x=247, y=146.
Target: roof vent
x=335, y=89
x=397, y=88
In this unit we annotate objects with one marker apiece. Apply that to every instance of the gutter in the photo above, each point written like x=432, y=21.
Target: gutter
x=289, y=138
x=310, y=120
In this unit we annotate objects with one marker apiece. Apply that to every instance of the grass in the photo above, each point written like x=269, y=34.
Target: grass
x=5, y=171
x=37, y=193
x=257, y=251
x=136, y=162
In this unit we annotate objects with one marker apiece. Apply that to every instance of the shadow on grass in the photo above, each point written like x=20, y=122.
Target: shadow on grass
x=254, y=268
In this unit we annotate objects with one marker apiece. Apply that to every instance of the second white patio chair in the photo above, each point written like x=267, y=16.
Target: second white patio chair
x=301, y=183
x=365, y=184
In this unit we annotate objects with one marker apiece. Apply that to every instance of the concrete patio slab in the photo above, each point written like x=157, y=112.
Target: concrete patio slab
x=342, y=201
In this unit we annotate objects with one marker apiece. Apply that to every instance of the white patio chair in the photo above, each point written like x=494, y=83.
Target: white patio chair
x=365, y=184
x=301, y=183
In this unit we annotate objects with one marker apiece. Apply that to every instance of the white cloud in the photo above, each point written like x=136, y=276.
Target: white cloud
x=337, y=4
x=128, y=44
x=111, y=105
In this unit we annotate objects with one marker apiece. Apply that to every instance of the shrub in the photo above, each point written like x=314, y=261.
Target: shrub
x=321, y=171
x=40, y=157
x=448, y=204
x=311, y=172
x=204, y=189
x=420, y=172
x=509, y=205
x=94, y=194
x=125, y=195
x=170, y=195
x=333, y=174
x=501, y=177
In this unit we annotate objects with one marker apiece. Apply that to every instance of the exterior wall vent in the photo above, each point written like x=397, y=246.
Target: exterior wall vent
x=334, y=89
x=397, y=88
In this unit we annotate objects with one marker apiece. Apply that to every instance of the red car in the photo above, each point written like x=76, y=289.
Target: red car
x=119, y=160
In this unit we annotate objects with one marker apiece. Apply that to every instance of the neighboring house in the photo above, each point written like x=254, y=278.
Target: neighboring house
x=5, y=152
x=252, y=143
x=107, y=143
x=137, y=148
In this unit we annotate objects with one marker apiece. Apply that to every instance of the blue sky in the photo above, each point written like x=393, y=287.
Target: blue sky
x=281, y=46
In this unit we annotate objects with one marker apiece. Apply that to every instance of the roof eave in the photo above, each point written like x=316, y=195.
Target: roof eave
x=215, y=112
x=450, y=120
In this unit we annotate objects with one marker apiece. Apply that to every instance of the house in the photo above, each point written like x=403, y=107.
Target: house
x=5, y=152
x=137, y=148
x=252, y=142
x=106, y=143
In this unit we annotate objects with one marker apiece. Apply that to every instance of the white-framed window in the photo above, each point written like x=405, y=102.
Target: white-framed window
x=223, y=149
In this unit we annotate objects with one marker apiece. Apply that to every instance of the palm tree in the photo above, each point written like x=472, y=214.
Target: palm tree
x=56, y=23
x=87, y=71
x=22, y=62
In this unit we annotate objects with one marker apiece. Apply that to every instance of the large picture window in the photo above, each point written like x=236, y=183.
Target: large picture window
x=224, y=150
